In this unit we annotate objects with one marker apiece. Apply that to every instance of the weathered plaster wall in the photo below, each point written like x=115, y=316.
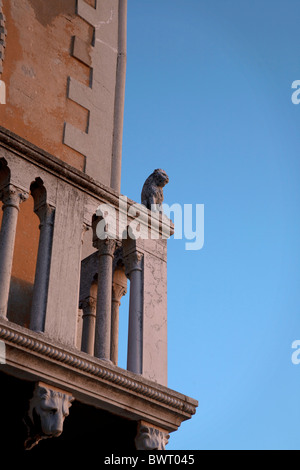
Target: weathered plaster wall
x=38, y=63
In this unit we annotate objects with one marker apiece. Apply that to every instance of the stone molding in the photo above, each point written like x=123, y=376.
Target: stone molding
x=126, y=381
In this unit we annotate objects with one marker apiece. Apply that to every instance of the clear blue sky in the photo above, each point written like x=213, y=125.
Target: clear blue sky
x=208, y=98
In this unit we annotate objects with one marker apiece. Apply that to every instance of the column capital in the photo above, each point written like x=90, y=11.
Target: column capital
x=12, y=196
x=133, y=262
x=88, y=305
x=118, y=292
x=151, y=438
x=45, y=213
x=105, y=247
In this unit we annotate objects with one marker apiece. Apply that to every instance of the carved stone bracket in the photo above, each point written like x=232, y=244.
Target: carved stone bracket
x=48, y=409
x=149, y=438
x=3, y=34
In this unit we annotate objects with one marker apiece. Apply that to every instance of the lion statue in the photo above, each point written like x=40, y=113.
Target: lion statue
x=47, y=411
x=152, y=193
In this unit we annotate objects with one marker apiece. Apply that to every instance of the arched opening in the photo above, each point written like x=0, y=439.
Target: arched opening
x=4, y=181
x=123, y=329
x=46, y=214
x=88, y=284
x=24, y=264
x=119, y=331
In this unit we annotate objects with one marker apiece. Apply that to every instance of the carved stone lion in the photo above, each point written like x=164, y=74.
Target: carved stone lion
x=152, y=193
x=47, y=411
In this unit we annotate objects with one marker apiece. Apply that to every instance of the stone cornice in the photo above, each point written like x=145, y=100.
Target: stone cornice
x=135, y=386
x=57, y=167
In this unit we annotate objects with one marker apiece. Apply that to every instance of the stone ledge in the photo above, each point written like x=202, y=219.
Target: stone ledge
x=31, y=355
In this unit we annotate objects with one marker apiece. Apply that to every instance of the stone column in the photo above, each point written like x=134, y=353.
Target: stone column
x=118, y=291
x=45, y=212
x=134, y=271
x=11, y=198
x=89, y=321
x=106, y=249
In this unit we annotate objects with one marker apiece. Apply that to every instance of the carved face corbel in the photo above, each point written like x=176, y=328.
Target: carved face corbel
x=48, y=409
x=149, y=438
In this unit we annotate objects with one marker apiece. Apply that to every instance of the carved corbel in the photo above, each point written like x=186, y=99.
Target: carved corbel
x=150, y=438
x=48, y=409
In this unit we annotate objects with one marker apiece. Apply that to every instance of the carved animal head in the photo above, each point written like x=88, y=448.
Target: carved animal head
x=47, y=412
x=150, y=438
x=160, y=177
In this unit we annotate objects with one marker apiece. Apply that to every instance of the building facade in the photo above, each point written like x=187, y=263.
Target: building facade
x=63, y=64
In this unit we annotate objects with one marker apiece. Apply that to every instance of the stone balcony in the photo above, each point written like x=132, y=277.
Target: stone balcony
x=68, y=337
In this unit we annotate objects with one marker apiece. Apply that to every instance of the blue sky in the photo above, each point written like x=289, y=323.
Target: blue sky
x=208, y=98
